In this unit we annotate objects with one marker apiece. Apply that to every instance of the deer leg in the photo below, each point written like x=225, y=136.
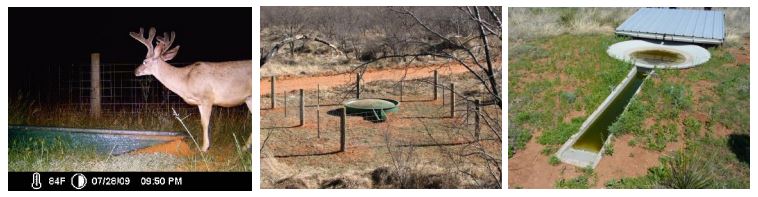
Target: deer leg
x=249, y=102
x=205, y=118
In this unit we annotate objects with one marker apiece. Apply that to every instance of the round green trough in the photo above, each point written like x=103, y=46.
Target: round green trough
x=374, y=109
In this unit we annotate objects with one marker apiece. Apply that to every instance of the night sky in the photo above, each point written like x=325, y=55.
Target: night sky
x=42, y=38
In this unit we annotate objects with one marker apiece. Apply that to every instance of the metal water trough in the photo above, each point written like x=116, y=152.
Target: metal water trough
x=374, y=109
x=103, y=141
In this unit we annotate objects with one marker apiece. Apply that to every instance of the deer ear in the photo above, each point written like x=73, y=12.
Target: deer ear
x=170, y=54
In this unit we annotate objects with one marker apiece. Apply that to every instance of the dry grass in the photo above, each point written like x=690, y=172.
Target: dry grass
x=531, y=23
x=126, y=162
x=737, y=25
x=315, y=59
x=294, y=157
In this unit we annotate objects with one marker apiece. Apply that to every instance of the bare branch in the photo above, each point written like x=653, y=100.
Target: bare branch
x=275, y=48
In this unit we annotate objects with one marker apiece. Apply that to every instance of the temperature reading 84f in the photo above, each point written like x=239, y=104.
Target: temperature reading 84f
x=161, y=180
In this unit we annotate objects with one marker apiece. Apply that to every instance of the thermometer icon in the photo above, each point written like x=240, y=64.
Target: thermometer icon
x=36, y=184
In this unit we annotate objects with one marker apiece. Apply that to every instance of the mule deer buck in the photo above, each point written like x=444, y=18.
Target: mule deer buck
x=205, y=84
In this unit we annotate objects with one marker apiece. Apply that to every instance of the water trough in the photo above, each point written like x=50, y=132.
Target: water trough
x=374, y=109
x=585, y=148
x=667, y=35
x=103, y=141
x=665, y=55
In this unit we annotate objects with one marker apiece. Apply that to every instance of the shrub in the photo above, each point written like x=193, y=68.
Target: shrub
x=568, y=97
x=682, y=172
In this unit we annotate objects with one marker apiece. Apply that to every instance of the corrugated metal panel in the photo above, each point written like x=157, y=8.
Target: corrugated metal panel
x=684, y=25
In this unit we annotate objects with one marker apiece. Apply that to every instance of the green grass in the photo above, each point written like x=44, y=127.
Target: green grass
x=554, y=161
x=229, y=133
x=708, y=160
x=554, y=76
x=583, y=181
x=538, y=97
x=705, y=163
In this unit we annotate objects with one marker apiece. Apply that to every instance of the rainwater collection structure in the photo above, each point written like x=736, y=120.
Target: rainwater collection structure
x=664, y=39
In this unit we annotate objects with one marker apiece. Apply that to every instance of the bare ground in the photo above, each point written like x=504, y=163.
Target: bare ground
x=295, y=156
x=329, y=81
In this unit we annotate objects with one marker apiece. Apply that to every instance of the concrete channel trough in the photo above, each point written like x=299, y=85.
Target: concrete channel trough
x=664, y=47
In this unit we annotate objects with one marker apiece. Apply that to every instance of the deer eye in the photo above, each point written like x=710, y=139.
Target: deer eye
x=144, y=61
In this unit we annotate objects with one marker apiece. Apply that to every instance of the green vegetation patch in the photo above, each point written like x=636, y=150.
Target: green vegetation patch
x=551, y=77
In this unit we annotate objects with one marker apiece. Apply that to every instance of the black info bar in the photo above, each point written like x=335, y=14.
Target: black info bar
x=128, y=181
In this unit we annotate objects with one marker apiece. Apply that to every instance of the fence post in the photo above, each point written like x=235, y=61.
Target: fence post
x=436, y=78
x=402, y=83
x=452, y=100
x=477, y=117
x=343, y=128
x=302, y=107
x=95, y=85
x=273, y=92
x=357, y=85
x=443, y=96
x=318, y=111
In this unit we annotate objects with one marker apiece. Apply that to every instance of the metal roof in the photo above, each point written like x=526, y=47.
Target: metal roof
x=683, y=25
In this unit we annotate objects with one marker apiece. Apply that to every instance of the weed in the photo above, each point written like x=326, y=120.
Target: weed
x=691, y=127
x=580, y=182
x=608, y=149
x=554, y=161
x=568, y=97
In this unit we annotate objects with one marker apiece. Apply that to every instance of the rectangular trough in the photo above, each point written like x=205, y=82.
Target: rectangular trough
x=102, y=141
x=588, y=152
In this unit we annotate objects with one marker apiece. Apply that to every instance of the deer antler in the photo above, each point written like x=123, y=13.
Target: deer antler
x=165, y=41
x=148, y=42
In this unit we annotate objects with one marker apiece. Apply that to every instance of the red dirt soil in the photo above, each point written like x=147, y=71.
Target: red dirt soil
x=629, y=161
x=529, y=168
x=175, y=147
x=309, y=83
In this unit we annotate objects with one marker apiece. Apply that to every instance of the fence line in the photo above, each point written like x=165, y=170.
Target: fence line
x=120, y=90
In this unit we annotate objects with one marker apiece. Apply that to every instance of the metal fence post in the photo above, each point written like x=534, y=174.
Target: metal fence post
x=95, y=85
